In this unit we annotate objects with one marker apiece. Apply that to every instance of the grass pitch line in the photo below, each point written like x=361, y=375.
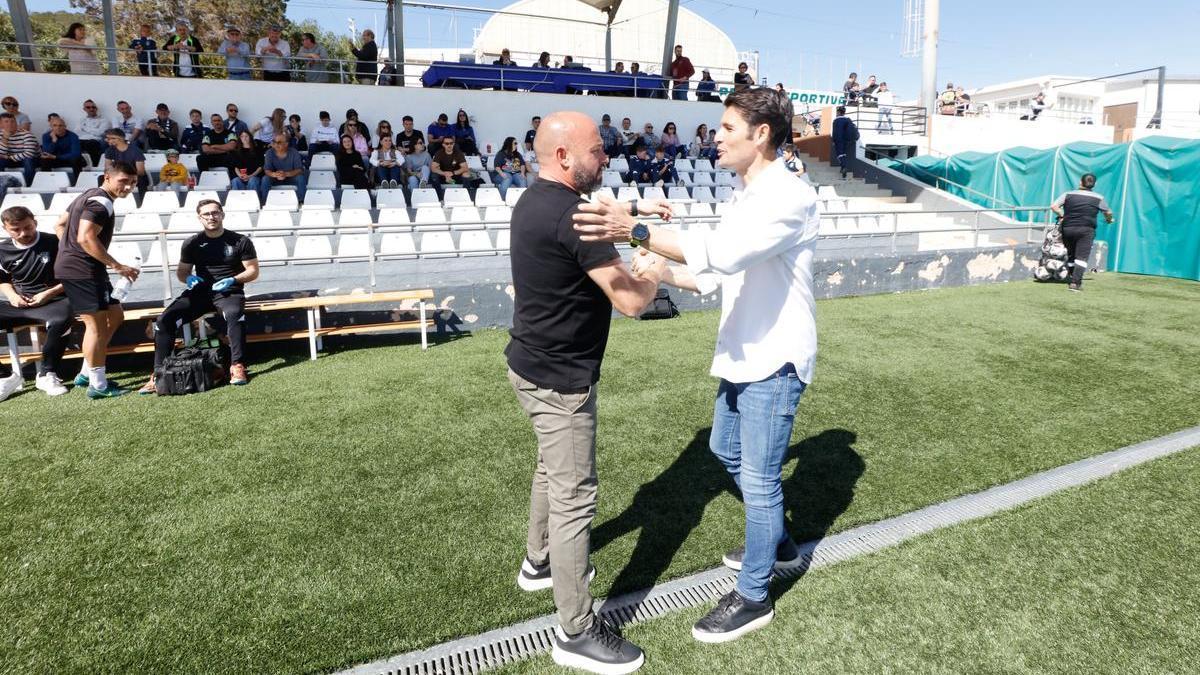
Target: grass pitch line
x=505, y=645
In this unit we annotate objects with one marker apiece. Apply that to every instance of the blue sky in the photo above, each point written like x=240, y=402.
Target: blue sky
x=812, y=44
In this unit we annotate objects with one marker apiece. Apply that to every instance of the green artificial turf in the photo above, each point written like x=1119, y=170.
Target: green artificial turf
x=374, y=501
x=1098, y=579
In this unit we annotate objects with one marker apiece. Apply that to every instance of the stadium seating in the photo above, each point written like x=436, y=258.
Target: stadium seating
x=351, y=247
x=456, y=197
x=15, y=175
x=50, y=181
x=313, y=248
x=397, y=216
x=213, y=180
x=31, y=201
x=194, y=197
x=270, y=249
x=322, y=161
x=141, y=222
x=275, y=220
x=356, y=199
x=513, y=195
x=390, y=198
x=318, y=199
x=354, y=218
x=60, y=202
x=162, y=202
x=397, y=245
x=154, y=256
x=281, y=199
x=488, y=196
x=242, y=200
x=316, y=218
x=475, y=243
x=438, y=244
x=322, y=180
x=424, y=197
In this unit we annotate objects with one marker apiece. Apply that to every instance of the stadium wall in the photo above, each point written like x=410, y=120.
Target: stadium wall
x=951, y=135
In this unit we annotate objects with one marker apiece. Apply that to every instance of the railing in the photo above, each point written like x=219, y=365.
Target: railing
x=889, y=119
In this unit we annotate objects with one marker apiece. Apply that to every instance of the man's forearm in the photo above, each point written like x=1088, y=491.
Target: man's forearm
x=91, y=245
x=666, y=243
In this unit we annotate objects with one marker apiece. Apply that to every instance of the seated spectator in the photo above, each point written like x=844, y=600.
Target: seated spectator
x=640, y=169
x=706, y=88
x=569, y=62
x=295, y=133
x=357, y=133
x=232, y=123
x=670, y=141
x=12, y=106
x=216, y=145
x=173, y=175
x=948, y=100
x=505, y=59
x=649, y=138
x=119, y=150
x=1036, y=106
x=81, y=50
x=128, y=124
x=27, y=281
x=215, y=278
x=389, y=76
x=848, y=89
x=236, y=53
x=962, y=102
x=384, y=128
x=90, y=128
x=450, y=167
x=324, y=138
x=60, y=147
x=387, y=161
x=18, y=148
x=246, y=161
x=162, y=132
x=703, y=146
x=184, y=45
x=613, y=143
x=408, y=136
x=439, y=130
x=313, y=58
x=265, y=129
x=508, y=167
x=793, y=162
x=662, y=168
x=532, y=133
x=283, y=165
x=366, y=67
x=629, y=136
x=146, y=48
x=275, y=53
x=543, y=61
x=417, y=165
x=191, y=137
x=352, y=117
x=351, y=167
x=464, y=133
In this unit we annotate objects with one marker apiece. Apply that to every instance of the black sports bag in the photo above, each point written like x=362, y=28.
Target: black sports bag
x=198, y=367
x=662, y=307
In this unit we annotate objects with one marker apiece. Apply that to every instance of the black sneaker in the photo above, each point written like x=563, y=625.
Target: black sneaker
x=787, y=555
x=733, y=617
x=599, y=649
x=537, y=577
x=1074, y=288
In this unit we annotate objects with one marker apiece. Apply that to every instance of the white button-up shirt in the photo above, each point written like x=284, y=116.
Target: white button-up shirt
x=761, y=256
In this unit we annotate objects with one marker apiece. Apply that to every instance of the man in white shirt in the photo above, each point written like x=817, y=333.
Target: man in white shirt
x=760, y=256
x=275, y=52
x=324, y=136
x=127, y=123
x=90, y=128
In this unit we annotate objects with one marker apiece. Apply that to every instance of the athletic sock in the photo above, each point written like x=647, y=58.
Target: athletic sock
x=85, y=369
x=98, y=379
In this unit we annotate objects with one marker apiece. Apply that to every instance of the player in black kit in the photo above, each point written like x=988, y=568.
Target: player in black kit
x=214, y=265
x=33, y=295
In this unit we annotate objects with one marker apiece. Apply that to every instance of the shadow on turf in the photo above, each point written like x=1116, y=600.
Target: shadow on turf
x=669, y=507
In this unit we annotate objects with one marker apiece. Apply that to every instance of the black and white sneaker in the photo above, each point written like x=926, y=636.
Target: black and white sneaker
x=599, y=649
x=787, y=555
x=537, y=577
x=733, y=617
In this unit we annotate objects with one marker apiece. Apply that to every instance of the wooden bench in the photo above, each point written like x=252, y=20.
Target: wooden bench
x=312, y=306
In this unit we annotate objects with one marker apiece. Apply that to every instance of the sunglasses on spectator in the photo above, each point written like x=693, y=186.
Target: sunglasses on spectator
x=10, y=103
x=231, y=110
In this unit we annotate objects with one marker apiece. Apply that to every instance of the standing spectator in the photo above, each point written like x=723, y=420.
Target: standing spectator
x=670, y=142
x=649, y=138
x=409, y=136
x=236, y=53
x=184, y=45
x=465, y=134
x=532, y=133
x=12, y=106
x=60, y=147
x=439, y=130
x=217, y=145
x=706, y=88
x=295, y=134
x=885, y=99
x=283, y=166
x=742, y=79
x=948, y=100
x=417, y=165
x=232, y=123
x=146, y=48
x=509, y=167
x=18, y=148
x=274, y=52
x=1037, y=106
x=450, y=167
x=162, y=132
x=352, y=120
x=610, y=137
x=845, y=138
x=121, y=151
x=324, y=137
x=173, y=175
x=1078, y=210
x=779, y=88
x=90, y=129
x=387, y=162
x=266, y=128
x=246, y=161
x=366, y=67
x=351, y=167
x=848, y=89
x=868, y=92
x=125, y=121
x=80, y=49
x=191, y=137
x=543, y=61
x=962, y=102
x=628, y=136
x=314, y=58
x=681, y=72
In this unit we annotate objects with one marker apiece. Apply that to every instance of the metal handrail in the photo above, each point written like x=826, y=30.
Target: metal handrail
x=965, y=188
x=912, y=120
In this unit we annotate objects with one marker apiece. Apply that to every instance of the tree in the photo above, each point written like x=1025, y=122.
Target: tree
x=48, y=27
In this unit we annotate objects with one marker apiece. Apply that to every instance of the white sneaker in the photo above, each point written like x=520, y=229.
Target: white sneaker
x=51, y=384
x=11, y=385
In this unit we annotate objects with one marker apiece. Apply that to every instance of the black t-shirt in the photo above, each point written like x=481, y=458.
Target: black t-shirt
x=529, y=136
x=73, y=262
x=561, y=317
x=405, y=141
x=216, y=258
x=30, y=270
x=218, y=137
x=132, y=154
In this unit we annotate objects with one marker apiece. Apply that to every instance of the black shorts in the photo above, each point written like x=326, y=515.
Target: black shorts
x=88, y=295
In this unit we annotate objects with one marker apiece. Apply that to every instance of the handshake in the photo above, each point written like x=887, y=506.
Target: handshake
x=646, y=262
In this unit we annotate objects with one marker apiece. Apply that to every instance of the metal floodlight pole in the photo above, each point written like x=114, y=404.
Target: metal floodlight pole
x=929, y=57
x=669, y=38
x=608, y=39
x=110, y=37
x=23, y=31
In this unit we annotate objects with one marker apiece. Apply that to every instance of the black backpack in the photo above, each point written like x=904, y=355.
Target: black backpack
x=200, y=366
x=662, y=307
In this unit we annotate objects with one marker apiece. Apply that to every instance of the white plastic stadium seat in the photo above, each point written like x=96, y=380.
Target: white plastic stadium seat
x=684, y=164
x=189, y=162
x=612, y=179
x=18, y=176
x=213, y=180
x=703, y=194
x=86, y=180
x=628, y=193
x=241, y=200
x=618, y=164
x=155, y=161
x=356, y=199
x=677, y=193
x=437, y=245
x=182, y=221
x=238, y=221
x=315, y=218
x=160, y=202
x=354, y=246
x=476, y=242
x=703, y=178
x=390, y=198
x=488, y=196
x=154, y=256
x=466, y=214
x=31, y=201
x=322, y=161
x=281, y=199
x=703, y=165
x=498, y=216
x=456, y=197
x=724, y=193
x=653, y=192
x=502, y=241
x=721, y=207
x=322, y=180
x=354, y=217
x=724, y=178
x=194, y=197
x=397, y=245
x=124, y=205
x=513, y=195
x=141, y=222
x=60, y=202
x=425, y=197
x=275, y=220
x=428, y=215
x=50, y=181
x=46, y=223
x=127, y=252
x=474, y=163
x=270, y=249
x=312, y=248
x=318, y=199
x=394, y=217
x=701, y=209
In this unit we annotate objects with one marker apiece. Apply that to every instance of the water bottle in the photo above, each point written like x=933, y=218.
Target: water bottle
x=121, y=290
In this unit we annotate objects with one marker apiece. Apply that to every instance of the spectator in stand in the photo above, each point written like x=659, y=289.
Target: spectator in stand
x=885, y=99
x=146, y=48
x=314, y=58
x=80, y=49
x=352, y=120
x=384, y=128
x=742, y=79
x=90, y=128
x=867, y=93
x=450, y=167
x=125, y=121
x=703, y=146
x=649, y=138
x=465, y=134
x=543, y=61
x=619, y=69
x=662, y=168
x=848, y=89
x=60, y=147
x=283, y=165
x=681, y=72
x=506, y=61
x=389, y=76
x=183, y=45
x=532, y=133
x=351, y=167
x=324, y=137
x=217, y=145
x=417, y=165
x=232, y=123
x=1037, y=106
x=845, y=138
x=367, y=66
x=509, y=167
x=295, y=134
x=409, y=136
x=162, y=132
x=640, y=169
x=387, y=161
x=191, y=137
x=792, y=162
x=120, y=150
x=18, y=148
x=173, y=175
x=671, y=143
x=962, y=102
x=358, y=133
x=629, y=137
x=613, y=142
x=706, y=88
x=266, y=128
x=948, y=100
x=12, y=106
x=236, y=53
x=439, y=130
x=274, y=52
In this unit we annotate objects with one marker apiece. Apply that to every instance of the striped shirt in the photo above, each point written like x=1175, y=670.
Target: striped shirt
x=19, y=145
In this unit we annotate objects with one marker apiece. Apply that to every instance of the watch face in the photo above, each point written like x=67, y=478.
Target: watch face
x=640, y=232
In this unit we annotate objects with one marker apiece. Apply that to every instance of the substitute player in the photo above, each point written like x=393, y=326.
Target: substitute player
x=1078, y=210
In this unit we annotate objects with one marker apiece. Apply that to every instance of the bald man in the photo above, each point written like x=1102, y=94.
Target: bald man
x=566, y=290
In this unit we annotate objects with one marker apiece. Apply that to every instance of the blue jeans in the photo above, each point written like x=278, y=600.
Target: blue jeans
x=383, y=173
x=298, y=180
x=414, y=179
x=506, y=180
x=752, y=425
x=239, y=74
x=680, y=91
x=252, y=183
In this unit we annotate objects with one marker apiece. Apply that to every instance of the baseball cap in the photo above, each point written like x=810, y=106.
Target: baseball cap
x=172, y=151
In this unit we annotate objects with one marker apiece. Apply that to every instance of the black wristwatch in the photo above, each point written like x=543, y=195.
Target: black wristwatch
x=639, y=235
x=633, y=208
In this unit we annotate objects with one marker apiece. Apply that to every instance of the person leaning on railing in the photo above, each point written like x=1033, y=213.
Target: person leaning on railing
x=236, y=53
x=81, y=50
x=145, y=46
x=706, y=88
x=274, y=52
x=313, y=57
x=183, y=45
